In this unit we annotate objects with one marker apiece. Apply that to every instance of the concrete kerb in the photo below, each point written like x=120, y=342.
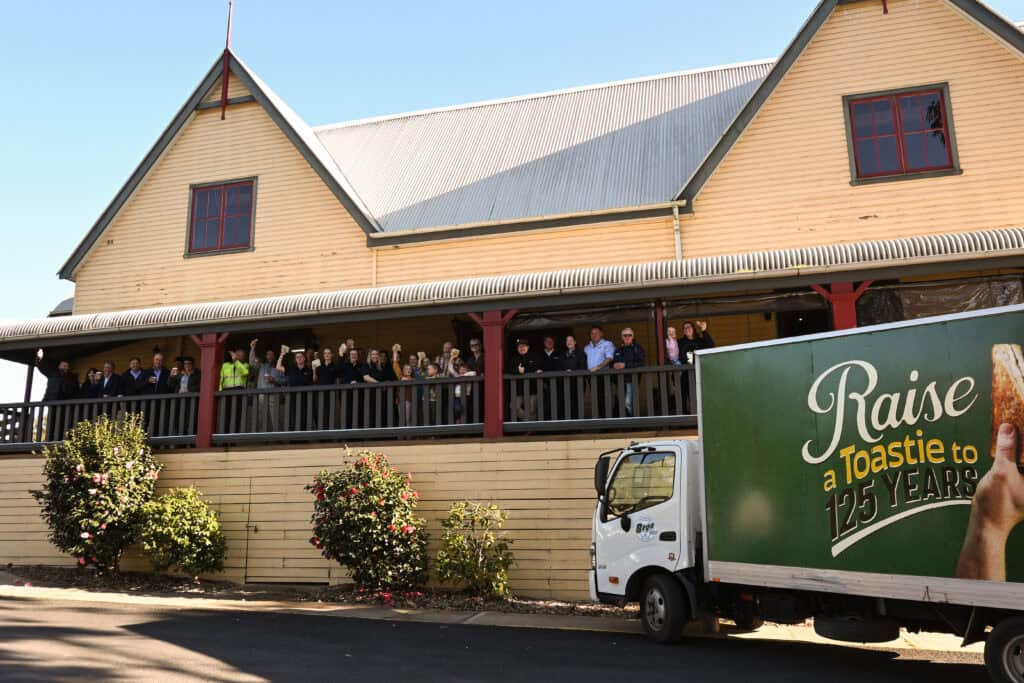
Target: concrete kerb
x=802, y=633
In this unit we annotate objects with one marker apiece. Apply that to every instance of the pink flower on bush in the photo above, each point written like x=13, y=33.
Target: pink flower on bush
x=79, y=467
x=86, y=534
x=373, y=514
x=128, y=465
x=117, y=450
x=103, y=527
x=406, y=529
x=404, y=496
x=81, y=561
x=96, y=478
x=385, y=596
x=392, y=527
x=415, y=494
x=354, y=490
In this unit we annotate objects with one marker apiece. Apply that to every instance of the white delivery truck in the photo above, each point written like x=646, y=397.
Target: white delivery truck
x=870, y=479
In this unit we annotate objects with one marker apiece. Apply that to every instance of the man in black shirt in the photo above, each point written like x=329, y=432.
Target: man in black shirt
x=134, y=379
x=475, y=359
x=524, y=363
x=551, y=361
x=61, y=383
x=628, y=356
x=156, y=379
x=297, y=374
x=573, y=360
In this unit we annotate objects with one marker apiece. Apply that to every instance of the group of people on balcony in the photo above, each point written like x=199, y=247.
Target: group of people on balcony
x=284, y=367
x=62, y=383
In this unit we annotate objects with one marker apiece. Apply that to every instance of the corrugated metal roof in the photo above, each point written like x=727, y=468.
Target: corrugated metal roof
x=761, y=264
x=623, y=144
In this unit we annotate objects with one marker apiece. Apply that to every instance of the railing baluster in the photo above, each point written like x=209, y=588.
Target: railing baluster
x=691, y=378
x=513, y=395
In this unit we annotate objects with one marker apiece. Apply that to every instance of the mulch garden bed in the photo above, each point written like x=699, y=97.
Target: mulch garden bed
x=138, y=583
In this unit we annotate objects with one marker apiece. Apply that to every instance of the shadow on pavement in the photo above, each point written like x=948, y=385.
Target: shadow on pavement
x=293, y=647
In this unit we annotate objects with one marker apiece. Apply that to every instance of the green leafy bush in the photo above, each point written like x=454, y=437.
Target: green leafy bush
x=474, y=552
x=97, y=482
x=364, y=518
x=180, y=531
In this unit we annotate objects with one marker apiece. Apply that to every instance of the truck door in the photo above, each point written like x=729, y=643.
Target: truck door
x=641, y=524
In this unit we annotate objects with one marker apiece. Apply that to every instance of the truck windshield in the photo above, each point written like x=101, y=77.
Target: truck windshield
x=641, y=480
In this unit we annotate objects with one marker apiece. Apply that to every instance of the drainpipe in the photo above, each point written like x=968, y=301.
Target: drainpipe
x=676, y=233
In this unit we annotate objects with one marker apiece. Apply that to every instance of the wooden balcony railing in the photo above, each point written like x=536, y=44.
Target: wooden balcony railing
x=170, y=419
x=448, y=406
x=657, y=397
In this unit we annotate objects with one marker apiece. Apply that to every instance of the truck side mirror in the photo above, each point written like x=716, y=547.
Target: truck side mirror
x=625, y=522
x=601, y=474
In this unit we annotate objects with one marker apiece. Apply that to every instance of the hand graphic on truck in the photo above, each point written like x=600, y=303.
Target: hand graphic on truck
x=997, y=508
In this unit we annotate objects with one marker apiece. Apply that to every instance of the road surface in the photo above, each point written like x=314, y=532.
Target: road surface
x=62, y=640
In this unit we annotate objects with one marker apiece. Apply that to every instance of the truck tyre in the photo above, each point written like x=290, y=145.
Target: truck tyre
x=1004, y=651
x=663, y=609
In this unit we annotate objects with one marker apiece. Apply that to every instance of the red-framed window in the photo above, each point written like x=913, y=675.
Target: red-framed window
x=221, y=217
x=900, y=133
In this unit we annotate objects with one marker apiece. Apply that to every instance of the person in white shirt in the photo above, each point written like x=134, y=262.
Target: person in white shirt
x=599, y=353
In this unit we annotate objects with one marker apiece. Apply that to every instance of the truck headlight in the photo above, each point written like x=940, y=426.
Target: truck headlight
x=593, y=556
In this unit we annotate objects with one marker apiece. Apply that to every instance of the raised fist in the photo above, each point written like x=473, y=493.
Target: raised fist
x=252, y=344
x=702, y=325
x=316, y=363
x=455, y=353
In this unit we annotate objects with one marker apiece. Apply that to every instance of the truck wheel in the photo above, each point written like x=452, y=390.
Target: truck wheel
x=1004, y=651
x=663, y=609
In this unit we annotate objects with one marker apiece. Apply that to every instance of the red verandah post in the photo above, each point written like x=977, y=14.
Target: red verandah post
x=493, y=325
x=843, y=298
x=211, y=352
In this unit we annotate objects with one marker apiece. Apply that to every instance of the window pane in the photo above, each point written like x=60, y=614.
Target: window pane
x=862, y=119
x=240, y=199
x=888, y=155
x=916, y=155
x=236, y=231
x=867, y=164
x=884, y=123
x=212, y=228
x=910, y=111
x=641, y=480
x=932, y=111
x=207, y=203
x=937, y=148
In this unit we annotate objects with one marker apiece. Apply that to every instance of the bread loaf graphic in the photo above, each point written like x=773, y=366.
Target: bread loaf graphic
x=1008, y=392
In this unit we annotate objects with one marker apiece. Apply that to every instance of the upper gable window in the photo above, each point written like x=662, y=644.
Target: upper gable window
x=900, y=134
x=221, y=217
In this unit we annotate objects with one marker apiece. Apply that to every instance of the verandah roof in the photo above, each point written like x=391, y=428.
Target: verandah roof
x=561, y=287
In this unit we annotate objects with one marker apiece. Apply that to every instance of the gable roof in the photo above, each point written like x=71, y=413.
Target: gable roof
x=287, y=120
x=993, y=22
x=609, y=146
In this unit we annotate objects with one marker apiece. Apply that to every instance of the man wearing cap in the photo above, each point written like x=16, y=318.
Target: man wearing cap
x=627, y=357
x=524, y=363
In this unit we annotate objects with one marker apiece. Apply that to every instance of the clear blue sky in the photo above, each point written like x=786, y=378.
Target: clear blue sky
x=87, y=87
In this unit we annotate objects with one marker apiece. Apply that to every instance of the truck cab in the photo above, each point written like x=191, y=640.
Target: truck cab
x=647, y=518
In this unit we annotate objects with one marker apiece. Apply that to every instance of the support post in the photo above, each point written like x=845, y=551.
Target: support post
x=493, y=324
x=659, y=329
x=28, y=381
x=842, y=297
x=211, y=351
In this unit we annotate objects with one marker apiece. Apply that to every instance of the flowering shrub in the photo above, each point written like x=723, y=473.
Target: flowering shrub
x=363, y=518
x=473, y=550
x=97, y=481
x=181, y=531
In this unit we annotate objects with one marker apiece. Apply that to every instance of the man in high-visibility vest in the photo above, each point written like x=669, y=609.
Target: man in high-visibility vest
x=234, y=375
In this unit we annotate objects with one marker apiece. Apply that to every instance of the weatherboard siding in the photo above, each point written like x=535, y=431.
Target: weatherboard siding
x=605, y=244
x=546, y=486
x=786, y=182
x=304, y=239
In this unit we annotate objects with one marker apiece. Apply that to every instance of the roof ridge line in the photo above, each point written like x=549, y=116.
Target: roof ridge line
x=535, y=96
